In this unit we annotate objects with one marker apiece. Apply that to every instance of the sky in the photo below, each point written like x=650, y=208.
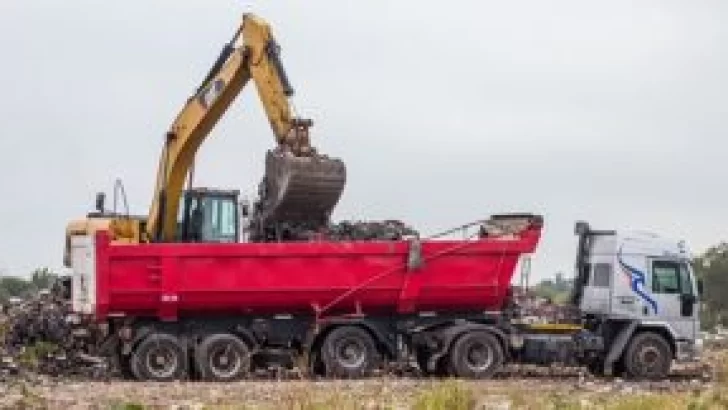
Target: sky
x=610, y=112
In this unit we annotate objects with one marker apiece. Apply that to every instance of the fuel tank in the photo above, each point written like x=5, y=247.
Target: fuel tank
x=321, y=278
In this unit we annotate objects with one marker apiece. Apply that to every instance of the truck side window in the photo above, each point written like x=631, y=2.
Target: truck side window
x=665, y=277
x=686, y=286
x=602, y=275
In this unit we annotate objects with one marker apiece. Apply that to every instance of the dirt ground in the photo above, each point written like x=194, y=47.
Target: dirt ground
x=380, y=393
x=699, y=386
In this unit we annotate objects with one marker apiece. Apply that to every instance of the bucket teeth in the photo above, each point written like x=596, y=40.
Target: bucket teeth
x=300, y=189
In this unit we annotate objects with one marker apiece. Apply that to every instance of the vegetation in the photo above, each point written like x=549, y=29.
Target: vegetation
x=712, y=268
x=557, y=290
x=14, y=286
x=448, y=395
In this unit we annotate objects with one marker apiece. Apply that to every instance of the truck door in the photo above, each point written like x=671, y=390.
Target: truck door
x=673, y=290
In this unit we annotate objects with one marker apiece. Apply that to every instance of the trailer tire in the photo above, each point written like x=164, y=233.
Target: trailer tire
x=159, y=357
x=648, y=357
x=222, y=357
x=476, y=355
x=349, y=352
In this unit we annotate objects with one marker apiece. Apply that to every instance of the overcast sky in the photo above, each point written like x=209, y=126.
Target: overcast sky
x=444, y=112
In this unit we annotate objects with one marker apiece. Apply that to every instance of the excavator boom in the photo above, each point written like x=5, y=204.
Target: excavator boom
x=299, y=183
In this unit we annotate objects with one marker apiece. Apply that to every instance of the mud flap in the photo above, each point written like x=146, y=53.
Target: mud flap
x=617, y=347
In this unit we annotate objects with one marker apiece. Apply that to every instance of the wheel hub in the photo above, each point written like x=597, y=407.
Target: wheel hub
x=161, y=362
x=478, y=357
x=225, y=361
x=351, y=354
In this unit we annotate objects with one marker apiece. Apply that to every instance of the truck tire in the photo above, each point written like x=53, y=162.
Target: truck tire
x=476, y=355
x=222, y=357
x=159, y=357
x=648, y=357
x=349, y=352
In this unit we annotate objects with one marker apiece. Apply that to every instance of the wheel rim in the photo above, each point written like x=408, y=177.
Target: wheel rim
x=225, y=360
x=478, y=357
x=649, y=359
x=351, y=353
x=161, y=361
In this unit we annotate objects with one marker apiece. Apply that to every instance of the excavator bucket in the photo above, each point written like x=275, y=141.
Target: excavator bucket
x=300, y=189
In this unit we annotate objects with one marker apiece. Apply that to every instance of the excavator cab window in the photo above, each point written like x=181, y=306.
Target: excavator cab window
x=208, y=216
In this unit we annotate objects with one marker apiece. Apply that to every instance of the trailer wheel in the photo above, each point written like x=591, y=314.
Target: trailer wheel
x=159, y=357
x=222, y=357
x=648, y=357
x=349, y=352
x=476, y=355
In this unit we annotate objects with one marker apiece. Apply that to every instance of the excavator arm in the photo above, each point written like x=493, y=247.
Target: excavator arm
x=292, y=169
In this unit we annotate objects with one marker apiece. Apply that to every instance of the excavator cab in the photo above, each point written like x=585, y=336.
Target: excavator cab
x=208, y=215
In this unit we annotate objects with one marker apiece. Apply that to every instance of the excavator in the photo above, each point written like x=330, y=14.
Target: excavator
x=300, y=186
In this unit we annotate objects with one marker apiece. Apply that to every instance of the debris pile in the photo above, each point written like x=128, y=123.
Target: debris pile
x=388, y=230
x=41, y=335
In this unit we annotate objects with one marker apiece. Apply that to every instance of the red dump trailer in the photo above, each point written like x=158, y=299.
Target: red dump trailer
x=215, y=311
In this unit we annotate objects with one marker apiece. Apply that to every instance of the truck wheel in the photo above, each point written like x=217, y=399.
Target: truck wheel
x=476, y=355
x=222, y=357
x=159, y=357
x=349, y=352
x=648, y=357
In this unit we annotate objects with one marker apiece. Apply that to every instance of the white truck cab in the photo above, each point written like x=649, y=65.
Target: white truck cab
x=632, y=284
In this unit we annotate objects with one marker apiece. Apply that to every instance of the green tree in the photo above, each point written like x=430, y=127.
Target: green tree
x=712, y=268
x=13, y=286
x=42, y=278
x=557, y=289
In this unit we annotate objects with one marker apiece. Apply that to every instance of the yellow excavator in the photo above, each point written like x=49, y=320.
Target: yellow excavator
x=299, y=186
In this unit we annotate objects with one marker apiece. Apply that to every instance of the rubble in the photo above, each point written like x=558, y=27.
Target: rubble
x=387, y=230
x=42, y=336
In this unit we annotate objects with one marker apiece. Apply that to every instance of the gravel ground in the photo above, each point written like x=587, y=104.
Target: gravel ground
x=329, y=394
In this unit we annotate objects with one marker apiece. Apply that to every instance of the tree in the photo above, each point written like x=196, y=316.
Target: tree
x=14, y=286
x=42, y=278
x=712, y=268
x=557, y=289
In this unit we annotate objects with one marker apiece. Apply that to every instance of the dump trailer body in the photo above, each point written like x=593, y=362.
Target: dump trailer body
x=169, y=281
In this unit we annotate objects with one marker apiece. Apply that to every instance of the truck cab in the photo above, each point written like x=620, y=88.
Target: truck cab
x=632, y=282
